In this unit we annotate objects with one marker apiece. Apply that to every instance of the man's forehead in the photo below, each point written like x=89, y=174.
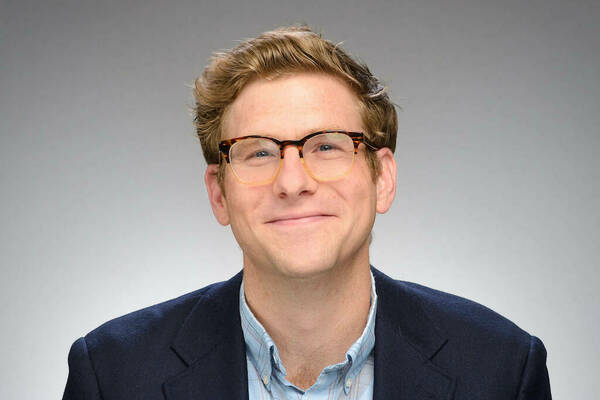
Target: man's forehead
x=292, y=104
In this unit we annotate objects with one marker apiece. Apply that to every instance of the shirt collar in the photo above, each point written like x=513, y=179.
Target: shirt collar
x=263, y=354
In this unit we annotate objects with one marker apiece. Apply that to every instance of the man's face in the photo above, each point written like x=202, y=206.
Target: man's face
x=297, y=226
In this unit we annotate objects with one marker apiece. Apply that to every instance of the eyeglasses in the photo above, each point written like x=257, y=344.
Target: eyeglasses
x=326, y=155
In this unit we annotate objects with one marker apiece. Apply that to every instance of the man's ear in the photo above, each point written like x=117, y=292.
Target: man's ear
x=216, y=194
x=386, y=181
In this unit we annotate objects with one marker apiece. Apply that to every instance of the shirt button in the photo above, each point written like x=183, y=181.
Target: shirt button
x=265, y=379
x=348, y=383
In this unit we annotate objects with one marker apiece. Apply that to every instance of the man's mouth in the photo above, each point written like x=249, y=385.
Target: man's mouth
x=299, y=219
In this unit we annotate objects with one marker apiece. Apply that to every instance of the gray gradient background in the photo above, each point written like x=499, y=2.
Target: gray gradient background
x=103, y=208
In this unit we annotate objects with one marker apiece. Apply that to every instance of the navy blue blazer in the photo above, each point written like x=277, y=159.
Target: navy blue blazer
x=428, y=345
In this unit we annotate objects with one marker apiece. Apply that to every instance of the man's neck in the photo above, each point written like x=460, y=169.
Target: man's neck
x=313, y=320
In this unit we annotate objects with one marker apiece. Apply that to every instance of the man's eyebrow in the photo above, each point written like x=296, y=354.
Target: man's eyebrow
x=280, y=134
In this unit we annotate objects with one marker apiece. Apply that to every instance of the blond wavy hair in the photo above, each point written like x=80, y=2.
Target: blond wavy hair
x=282, y=51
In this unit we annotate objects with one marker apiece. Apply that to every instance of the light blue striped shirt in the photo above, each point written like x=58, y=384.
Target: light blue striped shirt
x=348, y=380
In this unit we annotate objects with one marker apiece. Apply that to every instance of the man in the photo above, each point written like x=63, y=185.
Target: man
x=299, y=140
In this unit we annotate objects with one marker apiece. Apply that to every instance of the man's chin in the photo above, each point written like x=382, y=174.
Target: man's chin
x=303, y=268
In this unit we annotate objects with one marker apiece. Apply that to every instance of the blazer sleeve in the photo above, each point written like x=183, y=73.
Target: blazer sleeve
x=81, y=383
x=535, y=384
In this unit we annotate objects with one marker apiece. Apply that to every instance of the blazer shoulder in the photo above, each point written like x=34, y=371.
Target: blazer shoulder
x=458, y=319
x=467, y=318
x=159, y=322
x=488, y=354
x=134, y=354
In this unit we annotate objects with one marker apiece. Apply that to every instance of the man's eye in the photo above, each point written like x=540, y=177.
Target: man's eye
x=255, y=155
x=262, y=153
x=326, y=147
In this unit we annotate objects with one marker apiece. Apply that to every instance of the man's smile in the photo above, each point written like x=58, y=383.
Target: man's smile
x=299, y=219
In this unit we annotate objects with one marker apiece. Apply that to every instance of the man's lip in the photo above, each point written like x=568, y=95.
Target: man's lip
x=291, y=219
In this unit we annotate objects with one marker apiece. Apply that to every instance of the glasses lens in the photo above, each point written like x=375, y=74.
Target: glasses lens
x=254, y=159
x=329, y=155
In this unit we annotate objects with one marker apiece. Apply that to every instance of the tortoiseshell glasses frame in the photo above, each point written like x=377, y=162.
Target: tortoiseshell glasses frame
x=357, y=138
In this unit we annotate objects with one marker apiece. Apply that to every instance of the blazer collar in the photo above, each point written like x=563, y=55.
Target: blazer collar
x=406, y=342
x=212, y=346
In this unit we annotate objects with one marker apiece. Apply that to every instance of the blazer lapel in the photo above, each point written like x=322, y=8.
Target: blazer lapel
x=211, y=344
x=406, y=343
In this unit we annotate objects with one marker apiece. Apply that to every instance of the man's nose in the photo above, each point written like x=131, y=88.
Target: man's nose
x=293, y=180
